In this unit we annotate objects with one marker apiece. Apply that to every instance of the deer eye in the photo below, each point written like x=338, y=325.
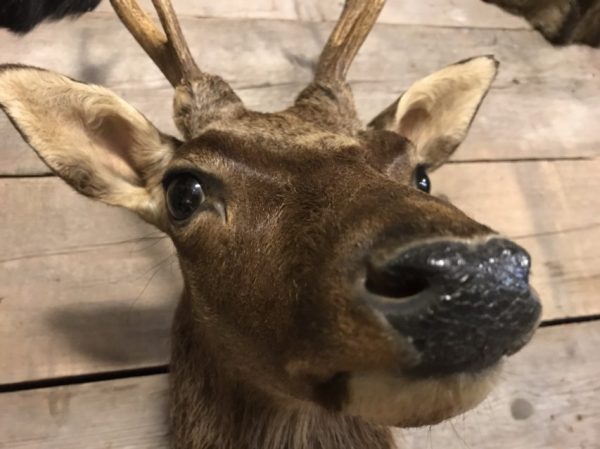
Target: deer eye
x=422, y=180
x=184, y=195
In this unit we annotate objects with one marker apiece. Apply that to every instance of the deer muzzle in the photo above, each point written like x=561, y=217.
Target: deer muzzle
x=463, y=305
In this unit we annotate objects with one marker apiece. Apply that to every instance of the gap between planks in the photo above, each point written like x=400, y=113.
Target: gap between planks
x=553, y=380
x=543, y=103
x=450, y=162
x=417, y=12
x=86, y=290
x=165, y=368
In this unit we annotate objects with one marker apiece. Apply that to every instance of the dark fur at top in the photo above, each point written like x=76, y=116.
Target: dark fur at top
x=22, y=16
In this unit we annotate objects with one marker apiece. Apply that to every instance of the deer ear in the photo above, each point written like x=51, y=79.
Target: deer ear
x=95, y=141
x=435, y=113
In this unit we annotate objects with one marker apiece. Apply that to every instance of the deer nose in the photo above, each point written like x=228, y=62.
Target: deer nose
x=462, y=305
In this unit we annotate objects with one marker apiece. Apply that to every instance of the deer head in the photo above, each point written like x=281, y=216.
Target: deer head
x=317, y=268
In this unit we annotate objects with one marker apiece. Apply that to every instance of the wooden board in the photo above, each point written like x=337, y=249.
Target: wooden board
x=86, y=287
x=544, y=104
x=121, y=414
x=459, y=13
x=547, y=399
x=551, y=208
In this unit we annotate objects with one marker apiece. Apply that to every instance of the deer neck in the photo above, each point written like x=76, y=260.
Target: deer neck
x=210, y=410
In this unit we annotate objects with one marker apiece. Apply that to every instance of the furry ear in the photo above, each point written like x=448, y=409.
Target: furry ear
x=88, y=136
x=436, y=112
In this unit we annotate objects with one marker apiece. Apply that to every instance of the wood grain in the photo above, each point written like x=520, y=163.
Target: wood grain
x=458, y=13
x=84, y=287
x=551, y=209
x=546, y=399
x=121, y=414
x=89, y=288
x=544, y=104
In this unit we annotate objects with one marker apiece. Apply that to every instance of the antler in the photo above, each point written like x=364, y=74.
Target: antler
x=328, y=99
x=170, y=53
x=200, y=97
x=351, y=30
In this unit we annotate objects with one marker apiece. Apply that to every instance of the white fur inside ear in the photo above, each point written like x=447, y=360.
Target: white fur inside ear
x=436, y=112
x=409, y=402
x=90, y=137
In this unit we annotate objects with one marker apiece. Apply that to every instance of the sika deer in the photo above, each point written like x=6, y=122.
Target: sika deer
x=327, y=295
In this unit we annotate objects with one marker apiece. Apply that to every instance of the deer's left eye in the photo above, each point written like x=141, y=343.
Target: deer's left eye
x=422, y=180
x=184, y=196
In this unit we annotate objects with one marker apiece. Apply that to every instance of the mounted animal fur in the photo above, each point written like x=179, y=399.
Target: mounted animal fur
x=327, y=295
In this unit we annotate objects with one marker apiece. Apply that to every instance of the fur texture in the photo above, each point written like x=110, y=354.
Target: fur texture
x=213, y=408
x=273, y=344
x=269, y=331
x=22, y=16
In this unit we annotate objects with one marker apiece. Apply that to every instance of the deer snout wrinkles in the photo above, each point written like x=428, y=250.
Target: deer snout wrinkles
x=462, y=305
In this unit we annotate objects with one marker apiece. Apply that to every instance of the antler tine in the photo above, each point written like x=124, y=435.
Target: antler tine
x=351, y=30
x=170, y=53
x=177, y=42
x=199, y=97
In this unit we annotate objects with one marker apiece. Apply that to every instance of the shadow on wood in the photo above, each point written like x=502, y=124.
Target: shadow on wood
x=111, y=333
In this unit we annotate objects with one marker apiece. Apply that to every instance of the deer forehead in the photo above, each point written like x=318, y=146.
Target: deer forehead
x=284, y=143
x=278, y=132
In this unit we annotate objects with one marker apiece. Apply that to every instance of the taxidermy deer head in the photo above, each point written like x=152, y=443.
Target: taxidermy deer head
x=326, y=292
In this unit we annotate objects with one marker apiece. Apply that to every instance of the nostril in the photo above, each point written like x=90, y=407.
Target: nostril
x=395, y=284
x=463, y=305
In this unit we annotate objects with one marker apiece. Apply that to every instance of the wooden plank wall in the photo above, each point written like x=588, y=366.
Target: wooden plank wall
x=86, y=289
x=547, y=399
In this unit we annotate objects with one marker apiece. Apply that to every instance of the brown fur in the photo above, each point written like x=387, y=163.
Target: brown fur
x=275, y=313
x=213, y=406
x=272, y=348
x=260, y=296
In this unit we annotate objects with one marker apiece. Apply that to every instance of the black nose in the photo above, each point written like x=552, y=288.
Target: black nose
x=462, y=305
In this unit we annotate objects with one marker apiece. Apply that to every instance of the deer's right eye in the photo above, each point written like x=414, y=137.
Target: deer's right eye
x=422, y=180
x=184, y=196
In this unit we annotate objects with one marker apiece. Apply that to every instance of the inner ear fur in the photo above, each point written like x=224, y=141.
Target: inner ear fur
x=435, y=113
x=91, y=138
